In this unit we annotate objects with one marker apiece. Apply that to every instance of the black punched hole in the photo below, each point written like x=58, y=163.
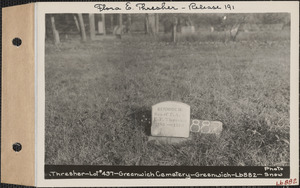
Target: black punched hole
x=17, y=147
x=17, y=41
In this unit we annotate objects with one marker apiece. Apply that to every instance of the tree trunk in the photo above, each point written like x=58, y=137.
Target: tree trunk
x=120, y=20
x=54, y=31
x=48, y=31
x=174, y=30
x=129, y=23
x=156, y=23
x=150, y=24
x=76, y=22
x=103, y=23
x=146, y=24
x=234, y=31
x=112, y=22
x=82, y=27
x=92, y=26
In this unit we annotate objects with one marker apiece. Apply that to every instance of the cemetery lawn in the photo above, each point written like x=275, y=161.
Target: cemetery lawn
x=99, y=95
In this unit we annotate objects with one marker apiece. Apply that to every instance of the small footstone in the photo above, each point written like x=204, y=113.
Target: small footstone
x=206, y=127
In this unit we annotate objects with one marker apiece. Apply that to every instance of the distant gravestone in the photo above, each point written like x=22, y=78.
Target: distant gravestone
x=170, y=119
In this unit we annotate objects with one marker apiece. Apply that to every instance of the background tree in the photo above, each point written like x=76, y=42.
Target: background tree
x=92, y=26
x=232, y=23
x=54, y=31
x=82, y=27
x=151, y=24
x=174, y=29
x=103, y=23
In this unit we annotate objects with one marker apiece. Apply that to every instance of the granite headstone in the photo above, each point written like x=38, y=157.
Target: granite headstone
x=171, y=119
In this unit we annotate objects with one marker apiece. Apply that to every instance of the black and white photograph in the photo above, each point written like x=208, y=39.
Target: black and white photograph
x=150, y=94
x=167, y=89
x=163, y=93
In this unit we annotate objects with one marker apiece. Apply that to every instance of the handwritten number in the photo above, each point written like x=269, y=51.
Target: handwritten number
x=295, y=181
x=229, y=7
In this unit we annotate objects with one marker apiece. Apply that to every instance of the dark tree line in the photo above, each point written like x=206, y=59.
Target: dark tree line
x=118, y=24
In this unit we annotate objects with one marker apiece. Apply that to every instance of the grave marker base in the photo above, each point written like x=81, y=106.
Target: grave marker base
x=168, y=140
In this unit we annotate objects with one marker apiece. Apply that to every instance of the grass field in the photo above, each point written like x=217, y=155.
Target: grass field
x=98, y=92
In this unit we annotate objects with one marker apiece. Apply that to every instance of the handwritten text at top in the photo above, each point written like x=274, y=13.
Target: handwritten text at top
x=130, y=6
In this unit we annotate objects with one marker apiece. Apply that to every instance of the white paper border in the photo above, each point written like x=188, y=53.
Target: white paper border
x=240, y=7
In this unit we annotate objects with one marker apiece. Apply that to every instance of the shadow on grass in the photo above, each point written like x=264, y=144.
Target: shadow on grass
x=142, y=118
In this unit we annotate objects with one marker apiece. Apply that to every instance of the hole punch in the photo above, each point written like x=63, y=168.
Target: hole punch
x=17, y=42
x=17, y=147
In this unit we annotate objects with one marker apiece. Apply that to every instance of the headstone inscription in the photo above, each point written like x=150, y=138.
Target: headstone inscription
x=170, y=119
